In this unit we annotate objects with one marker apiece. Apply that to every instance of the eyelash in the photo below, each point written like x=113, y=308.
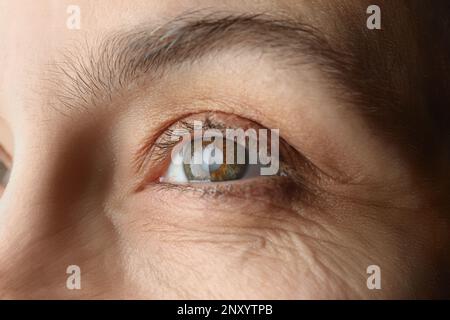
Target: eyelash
x=291, y=182
x=165, y=143
x=163, y=146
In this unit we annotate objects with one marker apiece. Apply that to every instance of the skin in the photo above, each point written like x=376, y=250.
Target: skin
x=72, y=197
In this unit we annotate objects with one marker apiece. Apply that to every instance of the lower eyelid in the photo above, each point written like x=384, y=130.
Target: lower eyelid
x=279, y=189
x=266, y=202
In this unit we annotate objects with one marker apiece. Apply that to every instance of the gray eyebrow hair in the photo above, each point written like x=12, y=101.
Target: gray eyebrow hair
x=123, y=58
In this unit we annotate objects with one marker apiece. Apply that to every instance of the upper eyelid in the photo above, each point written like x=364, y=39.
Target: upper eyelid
x=163, y=145
x=141, y=157
x=160, y=146
x=158, y=142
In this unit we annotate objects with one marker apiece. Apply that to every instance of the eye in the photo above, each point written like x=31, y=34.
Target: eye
x=5, y=169
x=4, y=174
x=207, y=162
x=193, y=155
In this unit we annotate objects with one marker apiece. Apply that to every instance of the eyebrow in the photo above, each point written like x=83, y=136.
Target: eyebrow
x=123, y=58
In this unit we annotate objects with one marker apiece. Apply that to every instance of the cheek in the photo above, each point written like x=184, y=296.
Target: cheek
x=181, y=248
x=181, y=253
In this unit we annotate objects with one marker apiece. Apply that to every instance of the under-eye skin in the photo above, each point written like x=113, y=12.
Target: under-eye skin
x=225, y=180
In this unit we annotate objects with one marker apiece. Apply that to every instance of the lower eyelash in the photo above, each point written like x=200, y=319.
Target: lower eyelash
x=279, y=188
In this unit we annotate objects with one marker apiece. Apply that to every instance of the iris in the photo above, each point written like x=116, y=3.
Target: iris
x=213, y=165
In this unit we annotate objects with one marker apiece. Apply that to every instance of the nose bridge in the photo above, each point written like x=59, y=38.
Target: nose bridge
x=42, y=210
x=46, y=174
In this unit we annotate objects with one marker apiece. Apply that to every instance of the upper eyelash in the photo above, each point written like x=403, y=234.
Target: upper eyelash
x=159, y=146
x=159, y=149
x=165, y=143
